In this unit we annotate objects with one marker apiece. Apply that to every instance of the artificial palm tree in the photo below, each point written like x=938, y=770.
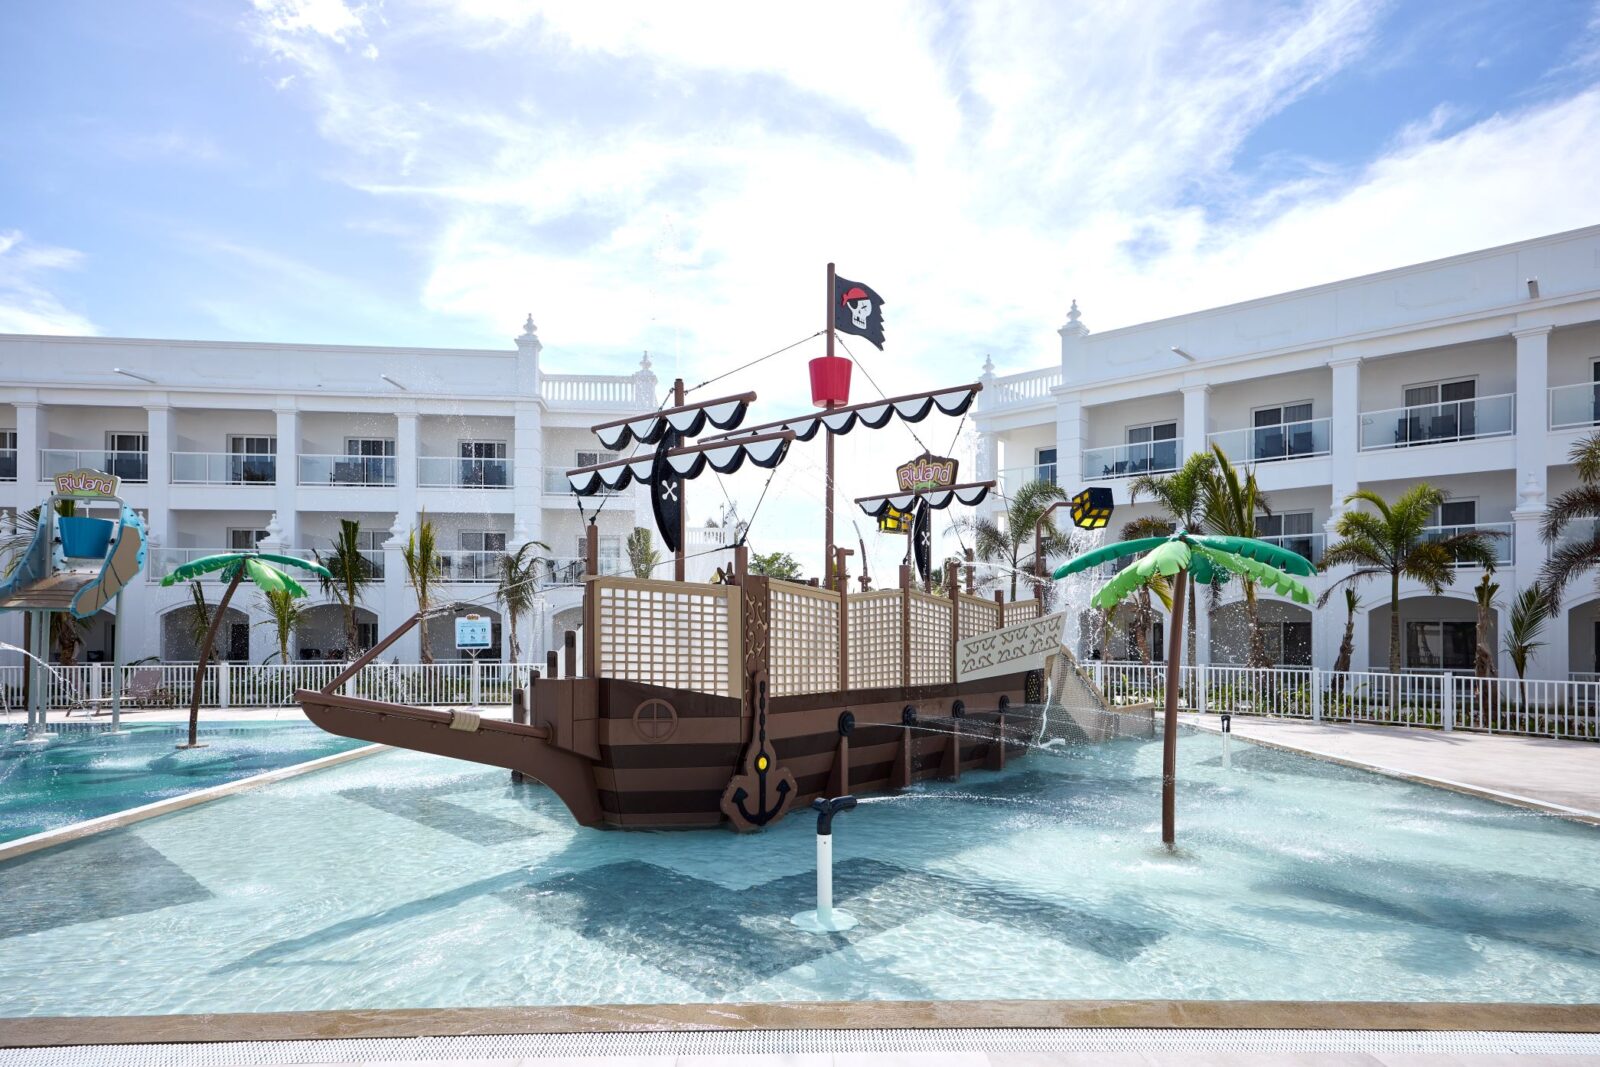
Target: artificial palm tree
x=424, y=568
x=1230, y=500
x=349, y=572
x=1580, y=554
x=642, y=554
x=1182, y=495
x=517, y=587
x=1394, y=542
x=1207, y=559
x=1010, y=543
x=234, y=566
x=284, y=615
x=1143, y=612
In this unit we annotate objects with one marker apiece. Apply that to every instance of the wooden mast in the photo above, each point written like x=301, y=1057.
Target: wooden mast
x=827, y=479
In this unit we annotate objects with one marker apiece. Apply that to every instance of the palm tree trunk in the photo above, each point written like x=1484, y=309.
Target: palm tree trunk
x=1169, y=732
x=205, y=654
x=1394, y=621
x=1252, y=615
x=351, y=635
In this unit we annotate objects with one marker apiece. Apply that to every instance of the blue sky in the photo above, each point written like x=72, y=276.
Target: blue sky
x=651, y=176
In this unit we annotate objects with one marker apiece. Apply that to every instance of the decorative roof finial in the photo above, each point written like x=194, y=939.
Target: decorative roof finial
x=1073, y=315
x=644, y=362
x=528, y=329
x=988, y=364
x=1074, y=326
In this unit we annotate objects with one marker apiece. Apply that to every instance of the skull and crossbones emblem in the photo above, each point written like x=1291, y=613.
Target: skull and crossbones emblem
x=859, y=305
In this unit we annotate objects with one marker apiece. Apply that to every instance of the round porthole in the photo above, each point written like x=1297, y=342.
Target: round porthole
x=655, y=720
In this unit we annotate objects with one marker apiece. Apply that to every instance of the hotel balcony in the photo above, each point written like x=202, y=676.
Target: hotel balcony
x=454, y=472
x=1573, y=406
x=161, y=562
x=1130, y=461
x=1440, y=423
x=129, y=466
x=8, y=464
x=1267, y=444
x=1502, y=544
x=1014, y=478
x=1309, y=546
x=556, y=484
x=346, y=470
x=224, y=468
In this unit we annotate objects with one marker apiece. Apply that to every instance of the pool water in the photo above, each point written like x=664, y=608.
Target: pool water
x=406, y=880
x=88, y=771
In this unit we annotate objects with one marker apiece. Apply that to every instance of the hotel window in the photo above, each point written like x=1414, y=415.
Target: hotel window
x=371, y=461
x=610, y=554
x=1448, y=646
x=252, y=459
x=1288, y=644
x=1152, y=447
x=1282, y=431
x=483, y=463
x=1456, y=513
x=482, y=541
x=1290, y=529
x=8, y=455
x=1045, y=460
x=1439, y=411
x=128, y=456
x=242, y=540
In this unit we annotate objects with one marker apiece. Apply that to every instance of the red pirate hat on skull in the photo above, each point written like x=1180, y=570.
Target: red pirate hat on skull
x=853, y=293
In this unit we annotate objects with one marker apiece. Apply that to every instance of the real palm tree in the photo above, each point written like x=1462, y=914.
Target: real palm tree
x=234, y=566
x=516, y=588
x=349, y=572
x=284, y=615
x=1579, y=555
x=1531, y=608
x=1484, y=593
x=1394, y=543
x=1210, y=558
x=1182, y=495
x=423, y=568
x=1230, y=502
x=1010, y=543
x=1347, y=643
x=642, y=554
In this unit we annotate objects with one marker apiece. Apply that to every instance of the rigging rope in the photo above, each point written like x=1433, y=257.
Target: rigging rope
x=753, y=362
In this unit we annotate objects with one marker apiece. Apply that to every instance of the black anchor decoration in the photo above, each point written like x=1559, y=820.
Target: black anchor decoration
x=772, y=787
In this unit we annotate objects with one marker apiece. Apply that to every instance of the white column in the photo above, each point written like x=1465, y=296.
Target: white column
x=288, y=432
x=30, y=439
x=527, y=473
x=159, y=427
x=1532, y=441
x=1070, y=425
x=398, y=600
x=1344, y=428
x=405, y=466
x=1196, y=418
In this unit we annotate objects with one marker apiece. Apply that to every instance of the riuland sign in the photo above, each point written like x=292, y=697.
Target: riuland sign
x=927, y=471
x=87, y=484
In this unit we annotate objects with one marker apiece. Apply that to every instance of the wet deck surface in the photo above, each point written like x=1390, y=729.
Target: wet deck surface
x=1549, y=773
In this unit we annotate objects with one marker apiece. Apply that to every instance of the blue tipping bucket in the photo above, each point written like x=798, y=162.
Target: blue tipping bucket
x=84, y=538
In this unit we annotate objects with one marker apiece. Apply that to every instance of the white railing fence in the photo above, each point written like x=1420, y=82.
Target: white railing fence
x=1543, y=708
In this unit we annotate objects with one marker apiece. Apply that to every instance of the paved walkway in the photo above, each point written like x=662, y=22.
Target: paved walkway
x=1559, y=776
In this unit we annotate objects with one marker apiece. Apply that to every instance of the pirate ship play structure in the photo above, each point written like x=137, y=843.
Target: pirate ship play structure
x=698, y=704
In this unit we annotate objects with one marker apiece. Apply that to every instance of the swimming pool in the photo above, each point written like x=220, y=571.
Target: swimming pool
x=407, y=880
x=86, y=771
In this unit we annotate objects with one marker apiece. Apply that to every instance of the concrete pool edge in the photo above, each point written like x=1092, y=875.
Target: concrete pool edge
x=118, y=819
x=60, y=1031
x=1517, y=800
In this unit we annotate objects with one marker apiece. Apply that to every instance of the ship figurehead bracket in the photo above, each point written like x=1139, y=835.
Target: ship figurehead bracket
x=763, y=791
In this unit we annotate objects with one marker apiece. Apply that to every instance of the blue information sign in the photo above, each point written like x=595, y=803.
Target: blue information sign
x=472, y=631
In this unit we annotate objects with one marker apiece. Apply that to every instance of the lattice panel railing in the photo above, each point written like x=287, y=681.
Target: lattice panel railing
x=804, y=648
x=978, y=616
x=930, y=640
x=1022, y=611
x=665, y=633
x=875, y=639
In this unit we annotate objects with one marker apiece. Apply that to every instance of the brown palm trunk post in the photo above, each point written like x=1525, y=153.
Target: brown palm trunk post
x=1169, y=732
x=205, y=655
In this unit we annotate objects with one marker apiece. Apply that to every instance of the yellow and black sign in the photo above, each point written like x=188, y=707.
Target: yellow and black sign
x=1091, y=509
x=894, y=520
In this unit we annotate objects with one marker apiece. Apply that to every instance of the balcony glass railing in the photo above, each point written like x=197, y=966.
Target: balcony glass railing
x=8, y=464
x=1575, y=405
x=1429, y=424
x=346, y=470
x=568, y=570
x=1307, y=545
x=1127, y=461
x=1014, y=478
x=1265, y=444
x=455, y=473
x=160, y=562
x=470, y=566
x=129, y=466
x=1502, y=545
x=224, y=468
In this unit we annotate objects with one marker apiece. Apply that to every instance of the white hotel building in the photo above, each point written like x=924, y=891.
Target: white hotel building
x=1475, y=373
x=226, y=445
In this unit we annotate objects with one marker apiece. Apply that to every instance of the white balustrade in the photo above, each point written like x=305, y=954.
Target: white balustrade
x=603, y=390
x=1028, y=387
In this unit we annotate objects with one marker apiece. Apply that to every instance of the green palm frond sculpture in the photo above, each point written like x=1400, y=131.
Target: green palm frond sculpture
x=235, y=567
x=1208, y=559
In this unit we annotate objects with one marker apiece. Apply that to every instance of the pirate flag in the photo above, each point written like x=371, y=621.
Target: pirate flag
x=666, y=491
x=858, y=310
x=922, y=539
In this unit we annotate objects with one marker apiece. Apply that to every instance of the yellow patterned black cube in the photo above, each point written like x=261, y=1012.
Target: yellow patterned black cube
x=1092, y=508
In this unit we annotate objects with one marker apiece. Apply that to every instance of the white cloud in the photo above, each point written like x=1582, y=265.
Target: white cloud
x=979, y=166
x=26, y=304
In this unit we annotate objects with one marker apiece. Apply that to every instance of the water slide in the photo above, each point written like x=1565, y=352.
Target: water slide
x=42, y=583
